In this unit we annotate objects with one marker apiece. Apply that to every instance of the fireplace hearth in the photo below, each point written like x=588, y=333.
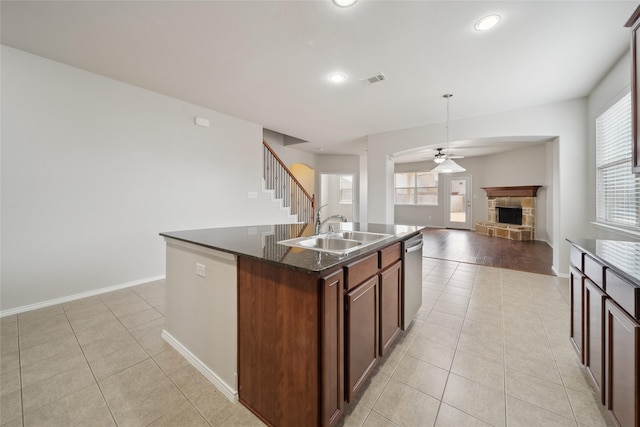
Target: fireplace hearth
x=511, y=212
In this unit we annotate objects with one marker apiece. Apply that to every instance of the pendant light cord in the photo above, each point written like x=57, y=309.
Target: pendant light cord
x=448, y=96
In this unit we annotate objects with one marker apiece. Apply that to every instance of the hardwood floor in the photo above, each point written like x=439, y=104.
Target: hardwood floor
x=470, y=247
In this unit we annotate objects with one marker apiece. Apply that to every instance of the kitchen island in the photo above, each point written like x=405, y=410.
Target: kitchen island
x=292, y=333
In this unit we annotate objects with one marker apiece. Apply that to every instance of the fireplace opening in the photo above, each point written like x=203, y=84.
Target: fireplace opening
x=509, y=215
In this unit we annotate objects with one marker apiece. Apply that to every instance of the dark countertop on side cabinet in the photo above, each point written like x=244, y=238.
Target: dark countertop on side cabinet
x=261, y=242
x=621, y=256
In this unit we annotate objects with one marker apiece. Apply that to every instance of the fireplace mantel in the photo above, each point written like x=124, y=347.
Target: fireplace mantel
x=519, y=191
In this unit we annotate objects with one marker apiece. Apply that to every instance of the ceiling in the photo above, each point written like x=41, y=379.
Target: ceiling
x=268, y=61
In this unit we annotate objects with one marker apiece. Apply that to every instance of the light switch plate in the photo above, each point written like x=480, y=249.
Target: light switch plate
x=201, y=270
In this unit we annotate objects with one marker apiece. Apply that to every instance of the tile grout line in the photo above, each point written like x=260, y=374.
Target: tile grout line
x=504, y=350
x=163, y=371
x=444, y=390
x=20, y=369
x=555, y=362
x=150, y=357
x=89, y=365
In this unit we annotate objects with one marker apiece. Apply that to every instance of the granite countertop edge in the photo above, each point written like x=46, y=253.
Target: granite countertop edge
x=249, y=241
x=622, y=269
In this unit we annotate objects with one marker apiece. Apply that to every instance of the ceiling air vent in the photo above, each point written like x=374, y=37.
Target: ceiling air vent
x=373, y=79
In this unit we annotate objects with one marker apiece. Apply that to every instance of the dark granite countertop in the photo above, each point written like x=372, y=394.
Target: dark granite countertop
x=621, y=256
x=261, y=242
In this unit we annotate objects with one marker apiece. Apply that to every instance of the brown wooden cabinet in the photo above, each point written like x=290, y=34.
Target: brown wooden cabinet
x=622, y=338
x=594, y=300
x=361, y=334
x=308, y=342
x=605, y=329
x=290, y=344
x=373, y=312
x=634, y=23
x=390, y=305
x=332, y=340
x=577, y=325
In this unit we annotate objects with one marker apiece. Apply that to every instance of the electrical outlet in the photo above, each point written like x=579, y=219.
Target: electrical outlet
x=201, y=270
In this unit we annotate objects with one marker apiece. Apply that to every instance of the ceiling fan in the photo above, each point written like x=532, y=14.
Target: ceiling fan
x=440, y=156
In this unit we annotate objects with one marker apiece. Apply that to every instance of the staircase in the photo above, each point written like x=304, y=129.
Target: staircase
x=279, y=179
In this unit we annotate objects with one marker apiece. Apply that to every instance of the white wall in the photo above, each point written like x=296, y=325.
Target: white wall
x=330, y=184
x=432, y=216
x=524, y=166
x=93, y=169
x=565, y=120
x=363, y=216
x=289, y=154
x=346, y=165
x=611, y=88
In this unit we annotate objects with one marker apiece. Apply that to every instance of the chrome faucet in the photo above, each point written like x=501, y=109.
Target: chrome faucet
x=320, y=222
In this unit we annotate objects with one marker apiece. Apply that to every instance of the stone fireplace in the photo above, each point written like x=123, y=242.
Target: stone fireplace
x=511, y=212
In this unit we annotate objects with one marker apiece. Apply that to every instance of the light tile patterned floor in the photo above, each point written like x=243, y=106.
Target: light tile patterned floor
x=490, y=347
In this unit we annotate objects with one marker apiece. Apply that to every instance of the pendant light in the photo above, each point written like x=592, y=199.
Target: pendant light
x=448, y=166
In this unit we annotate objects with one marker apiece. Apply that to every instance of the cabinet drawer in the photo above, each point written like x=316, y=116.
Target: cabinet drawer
x=358, y=271
x=594, y=271
x=623, y=293
x=575, y=257
x=389, y=255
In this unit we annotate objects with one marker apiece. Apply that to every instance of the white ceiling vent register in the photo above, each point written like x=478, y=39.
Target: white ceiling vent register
x=373, y=79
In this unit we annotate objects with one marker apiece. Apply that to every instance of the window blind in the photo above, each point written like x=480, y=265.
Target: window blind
x=617, y=187
x=416, y=188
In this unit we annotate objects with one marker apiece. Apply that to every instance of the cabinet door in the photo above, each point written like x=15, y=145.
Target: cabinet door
x=621, y=359
x=390, y=311
x=332, y=348
x=362, y=334
x=577, y=324
x=594, y=300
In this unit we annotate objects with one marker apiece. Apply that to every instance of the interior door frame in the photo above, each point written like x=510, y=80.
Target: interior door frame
x=467, y=225
x=321, y=192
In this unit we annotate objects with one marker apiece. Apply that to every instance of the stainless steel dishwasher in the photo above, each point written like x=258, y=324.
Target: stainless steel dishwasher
x=412, y=279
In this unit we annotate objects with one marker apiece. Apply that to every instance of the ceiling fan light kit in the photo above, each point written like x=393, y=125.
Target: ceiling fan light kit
x=445, y=164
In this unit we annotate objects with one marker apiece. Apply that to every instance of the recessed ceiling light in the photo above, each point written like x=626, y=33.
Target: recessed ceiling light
x=487, y=23
x=344, y=3
x=337, y=77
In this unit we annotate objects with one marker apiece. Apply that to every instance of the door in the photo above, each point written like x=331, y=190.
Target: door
x=390, y=308
x=594, y=300
x=576, y=282
x=458, y=202
x=332, y=360
x=362, y=334
x=337, y=193
x=622, y=338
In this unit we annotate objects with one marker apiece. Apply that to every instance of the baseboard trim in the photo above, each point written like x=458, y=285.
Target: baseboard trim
x=561, y=275
x=224, y=388
x=74, y=297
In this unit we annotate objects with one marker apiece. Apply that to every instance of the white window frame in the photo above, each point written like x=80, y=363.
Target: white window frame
x=617, y=187
x=415, y=188
x=344, y=201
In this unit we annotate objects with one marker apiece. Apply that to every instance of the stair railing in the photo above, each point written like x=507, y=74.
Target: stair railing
x=279, y=178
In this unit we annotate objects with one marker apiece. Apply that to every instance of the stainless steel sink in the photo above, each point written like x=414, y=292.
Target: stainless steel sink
x=331, y=243
x=360, y=236
x=339, y=242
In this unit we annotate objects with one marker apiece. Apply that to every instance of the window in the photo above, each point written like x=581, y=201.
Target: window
x=346, y=189
x=617, y=188
x=416, y=188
